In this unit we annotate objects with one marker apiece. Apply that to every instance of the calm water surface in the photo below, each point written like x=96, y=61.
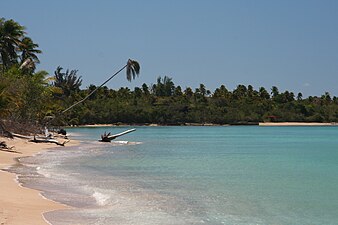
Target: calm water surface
x=192, y=175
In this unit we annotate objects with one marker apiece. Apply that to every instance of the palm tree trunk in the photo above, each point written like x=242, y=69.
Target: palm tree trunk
x=91, y=93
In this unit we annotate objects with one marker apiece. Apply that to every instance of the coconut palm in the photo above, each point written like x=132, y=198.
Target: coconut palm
x=29, y=50
x=132, y=70
x=10, y=38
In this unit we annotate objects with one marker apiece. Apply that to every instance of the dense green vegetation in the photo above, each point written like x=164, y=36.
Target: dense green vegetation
x=27, y=95
x=165, y=103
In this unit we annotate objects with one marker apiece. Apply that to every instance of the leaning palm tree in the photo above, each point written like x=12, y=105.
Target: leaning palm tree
x=132, y=70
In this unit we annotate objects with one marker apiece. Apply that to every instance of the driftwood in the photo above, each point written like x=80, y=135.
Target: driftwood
x=48, y=141
x=3, y=145
x=6, y=148
x=21, y=136
x=108, y=137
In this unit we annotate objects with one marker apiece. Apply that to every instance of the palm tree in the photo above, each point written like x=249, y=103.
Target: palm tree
x=132, y=70
x=10, y=34
x=28, y=54
x=274, y=91
x=68, y=82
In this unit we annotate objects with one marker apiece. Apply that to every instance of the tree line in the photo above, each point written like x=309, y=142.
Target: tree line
x=37, y=97
x=166, y=103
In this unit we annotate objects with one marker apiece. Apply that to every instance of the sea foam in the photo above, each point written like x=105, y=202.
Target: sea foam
x=101, y=199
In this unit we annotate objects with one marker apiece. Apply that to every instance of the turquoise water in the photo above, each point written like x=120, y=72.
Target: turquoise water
x=192, y=175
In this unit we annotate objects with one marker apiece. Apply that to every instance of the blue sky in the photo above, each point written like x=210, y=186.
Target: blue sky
x=291, y=44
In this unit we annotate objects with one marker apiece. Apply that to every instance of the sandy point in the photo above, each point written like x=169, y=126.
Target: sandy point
x=296, y=124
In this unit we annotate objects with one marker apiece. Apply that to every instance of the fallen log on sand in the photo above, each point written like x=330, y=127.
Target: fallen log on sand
x=21, y=136
x=48, y=141
x=108, y=137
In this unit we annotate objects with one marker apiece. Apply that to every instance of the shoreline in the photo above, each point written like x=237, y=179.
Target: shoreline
x=20, y=205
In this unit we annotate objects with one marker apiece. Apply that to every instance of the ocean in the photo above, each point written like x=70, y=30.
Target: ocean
x=241, y=175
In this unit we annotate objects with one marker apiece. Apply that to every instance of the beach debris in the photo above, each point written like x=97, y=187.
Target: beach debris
x=44, y=140
x=5, y=147
x=62, y=131
x=47, y=134
x=107, y=137
x=21, y=136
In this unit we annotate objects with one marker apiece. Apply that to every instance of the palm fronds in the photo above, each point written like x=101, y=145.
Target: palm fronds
x=133, y=69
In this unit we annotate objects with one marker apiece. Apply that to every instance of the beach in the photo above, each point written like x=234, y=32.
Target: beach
x=20, y=205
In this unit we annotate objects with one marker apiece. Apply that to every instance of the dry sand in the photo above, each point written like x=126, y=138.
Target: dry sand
x=20, y=205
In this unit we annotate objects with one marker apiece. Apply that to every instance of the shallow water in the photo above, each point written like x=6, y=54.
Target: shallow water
x=192, y=175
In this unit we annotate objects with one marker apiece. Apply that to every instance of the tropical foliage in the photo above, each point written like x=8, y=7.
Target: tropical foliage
x=166, y=103
x=24, y=93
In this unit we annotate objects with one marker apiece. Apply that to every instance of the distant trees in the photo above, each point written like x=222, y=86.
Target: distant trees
x=263, y=93
x=167, y=103
x=163, y=87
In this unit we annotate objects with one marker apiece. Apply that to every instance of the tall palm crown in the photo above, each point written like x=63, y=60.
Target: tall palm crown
x=10, y=34
x=15, y=47
x=28, y=53
x=133, y=69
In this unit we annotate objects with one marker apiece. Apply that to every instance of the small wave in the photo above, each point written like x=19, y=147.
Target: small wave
x=101, y=199
x=74, y=134
x=45, y=173
x=126, y=143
